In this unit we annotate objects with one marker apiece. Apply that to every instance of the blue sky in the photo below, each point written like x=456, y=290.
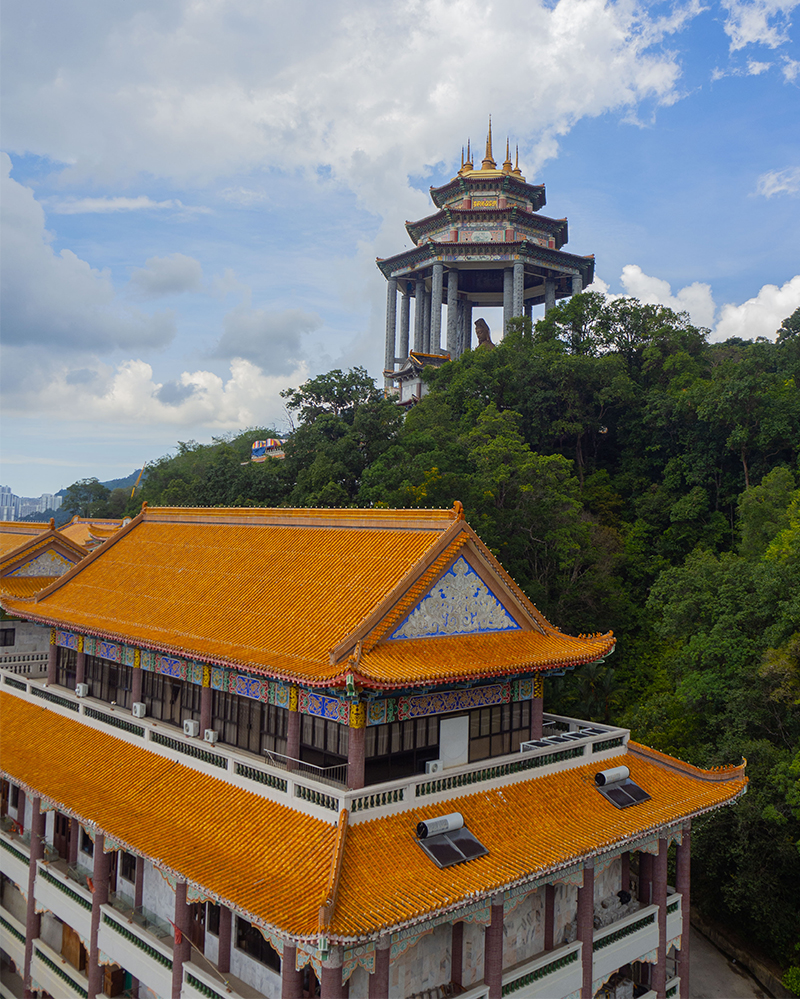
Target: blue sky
x=194, y=194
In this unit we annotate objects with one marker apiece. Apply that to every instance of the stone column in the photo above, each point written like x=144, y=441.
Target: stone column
x=52, y=662
x=508, y=296
x=32, y=918
x=206, y=701
x=457, y=953
x=452, y=313
x=74, y=841
x=391, y=328
x=100, y=869
x=291, y=979
x=625, y=858
x=224, y=954
x=379, y=979
x=426, y=322
x=137, y=681
x=577, y=284
x=80, y=667
x=405, y=302
x=437, y=294
x=529, y=309
x=519, y=288
x=549, y=295
x=464, y=322
x=493, y=949
x=293, y=735
x=549, y=916
x=645, y=878
x=659, y=980
x=586, y=926
x=355, y=755
x=331, y=984
x=683, y=883
x=419, y=315
x=181, y=950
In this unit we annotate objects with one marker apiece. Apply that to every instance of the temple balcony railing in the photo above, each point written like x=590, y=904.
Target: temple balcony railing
x=336, y=775
x=52, y=973
x=12, y=933
x=60, y=890
x=566, y=743
x=625, y=941
x=15, y=856
x=674, y=916
x=556, y=973
x=28, y=664
x=133, y=946
x=206, y=983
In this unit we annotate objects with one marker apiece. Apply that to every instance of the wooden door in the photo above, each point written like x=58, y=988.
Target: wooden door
x=61, y=827
x=72, y=949
x=197, y=925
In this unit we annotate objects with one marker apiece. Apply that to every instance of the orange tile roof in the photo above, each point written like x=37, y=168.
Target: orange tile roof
x=24, y=587
x=283, y=866
x=291, y=592
x=86, y=530
x=16, y=533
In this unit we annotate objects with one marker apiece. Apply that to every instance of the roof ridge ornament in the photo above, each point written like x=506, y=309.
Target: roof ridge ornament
x=488, y=160
x=508, y=167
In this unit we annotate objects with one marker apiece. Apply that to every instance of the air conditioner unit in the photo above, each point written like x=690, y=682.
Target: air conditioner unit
x=191, y=727
x=139, y=710
x=82, y=690
x=434, y=766
x=211, y=735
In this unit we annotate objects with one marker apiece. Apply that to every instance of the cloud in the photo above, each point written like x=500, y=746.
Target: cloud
x=791, y=69
x=758, y=22
x=58, y=300
x=270, y=340
x=80, y=206
x=779, y=182
x=696, y=299
x=760, y=316
x=755, y=68
x=128, y=395
x=166, y=276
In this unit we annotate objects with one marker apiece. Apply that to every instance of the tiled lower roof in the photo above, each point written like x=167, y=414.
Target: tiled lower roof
x=275, y=864
x=24, y=586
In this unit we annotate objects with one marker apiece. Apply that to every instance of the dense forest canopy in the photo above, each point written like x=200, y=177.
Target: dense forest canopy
x=629, y=475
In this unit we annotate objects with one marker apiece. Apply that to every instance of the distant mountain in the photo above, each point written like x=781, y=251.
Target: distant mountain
x=112, y=484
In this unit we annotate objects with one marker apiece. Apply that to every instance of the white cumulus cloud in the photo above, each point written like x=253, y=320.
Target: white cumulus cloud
x=758, y=22
x=85, y=206
x=760, y=316
x=166, y=276
x=774, y=182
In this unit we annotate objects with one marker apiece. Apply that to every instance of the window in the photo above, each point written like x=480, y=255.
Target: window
x=7, y=636
x=128, y=870
x=498, y=730
x=87, y=844
x=212, y=918
x=398, y=749
x=66, y=669
x=252, y=942
x=14, y=797
x=249, y=724
x=170, y=699
x=323, y=742
x=109, y=681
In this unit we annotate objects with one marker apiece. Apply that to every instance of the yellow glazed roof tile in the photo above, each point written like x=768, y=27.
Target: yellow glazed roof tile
x=280, y=865
x=24, y=587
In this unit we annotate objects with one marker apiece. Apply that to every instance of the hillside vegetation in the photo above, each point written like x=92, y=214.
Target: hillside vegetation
x=629, y=475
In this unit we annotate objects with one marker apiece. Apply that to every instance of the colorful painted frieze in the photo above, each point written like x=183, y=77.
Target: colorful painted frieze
x=381, y=710
x=248, y=686
x=335, y=709
x=419, y=705
x=69, y=640
x=147, y=660
x=169, y=666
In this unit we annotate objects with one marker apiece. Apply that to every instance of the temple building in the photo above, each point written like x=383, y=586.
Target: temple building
x=486, y=245
x=306, y=753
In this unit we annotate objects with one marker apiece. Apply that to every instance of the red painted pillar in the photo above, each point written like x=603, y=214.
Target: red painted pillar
x=493, y=950
x=32, y=918
x=291, y=979
x=80, y=667
x=74, y=841
x=625, y=880
x=138, y=896
x=659, y=980
x=136, y=684
x=225, y=926
x=683, y=877
x=457, y=953
x=537, y=718
x=586, y=927
x=549, y=916
x=379, y=979
x=293, y=735
x=181, y=950
x=100, y=869
x=52, y=662
x=645, y=878
x=331, y=984
x=21, y=809
x=355, y=757
x=206, y=699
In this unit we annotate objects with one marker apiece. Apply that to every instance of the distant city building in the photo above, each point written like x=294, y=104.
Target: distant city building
x=13, y=508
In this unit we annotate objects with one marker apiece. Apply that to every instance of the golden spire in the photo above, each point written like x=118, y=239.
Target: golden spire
x=488, y=160
x=507, y=166
x=516, y=171
x=469, y=165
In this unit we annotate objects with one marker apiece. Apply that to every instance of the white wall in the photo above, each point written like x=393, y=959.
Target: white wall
x=424, y=966
x=566, y=912
x=51, y=931
x=523, y=929
x=472, y=948
x=609, y=882
x=263, y=979
x=359, y=983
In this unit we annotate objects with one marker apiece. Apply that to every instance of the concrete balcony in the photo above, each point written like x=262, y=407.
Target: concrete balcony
x=53, y=973
x=674, y=916
x=556, y=973
x=203, y=982
x=62, y=891
x=15, y=858
x=12, y=937
x=134, y=947
x=624, y=941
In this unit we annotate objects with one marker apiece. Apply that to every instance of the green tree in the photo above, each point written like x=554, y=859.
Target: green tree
x=87, y=497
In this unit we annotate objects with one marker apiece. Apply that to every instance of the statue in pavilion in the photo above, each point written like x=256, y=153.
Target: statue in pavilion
x=484, y=334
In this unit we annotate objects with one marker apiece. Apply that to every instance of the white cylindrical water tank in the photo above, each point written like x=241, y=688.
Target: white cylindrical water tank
x=441, y=824
x=611, y=775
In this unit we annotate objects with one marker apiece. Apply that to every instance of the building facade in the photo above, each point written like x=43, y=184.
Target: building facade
x=305, y=753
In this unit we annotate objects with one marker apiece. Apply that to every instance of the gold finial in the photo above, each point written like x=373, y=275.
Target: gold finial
x=488, y=160
x=507, y=166
x=469, y=165
x=516, y=171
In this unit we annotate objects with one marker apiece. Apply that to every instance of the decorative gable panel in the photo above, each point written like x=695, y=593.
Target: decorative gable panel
x=49, y=563
x=459, y=603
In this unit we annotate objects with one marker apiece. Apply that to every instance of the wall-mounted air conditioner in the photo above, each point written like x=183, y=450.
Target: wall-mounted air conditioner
x=82, y=690
x=211, y=735
x=191, y=727
x=139, y=709
x=434, y=766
